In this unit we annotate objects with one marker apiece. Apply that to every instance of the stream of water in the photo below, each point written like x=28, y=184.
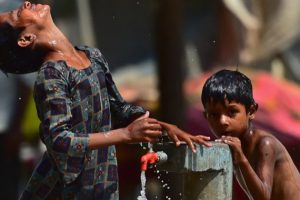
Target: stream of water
x=143, y=183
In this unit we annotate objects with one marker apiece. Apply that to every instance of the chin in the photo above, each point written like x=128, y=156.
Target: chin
x=43, y=11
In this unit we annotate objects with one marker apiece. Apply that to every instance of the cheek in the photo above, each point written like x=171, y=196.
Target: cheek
x=241, y=125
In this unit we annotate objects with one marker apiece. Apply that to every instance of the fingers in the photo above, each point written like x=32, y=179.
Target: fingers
x=153, y=132
x=231, y=141
x=188, y=139
x=164, y=125
x=150, y=123
x=227, y=139
x=151, y=127
x=175, y=139
x=201, y=139
x=147, y=123
x=191, y=144
x=146, y=115
x=152, y=120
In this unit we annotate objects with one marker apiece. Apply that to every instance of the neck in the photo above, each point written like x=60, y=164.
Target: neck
x=60, y=48
x=58, y=43
x=246, y=139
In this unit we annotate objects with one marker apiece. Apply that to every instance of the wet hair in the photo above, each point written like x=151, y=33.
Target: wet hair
x=13, y=58
x=228, y=85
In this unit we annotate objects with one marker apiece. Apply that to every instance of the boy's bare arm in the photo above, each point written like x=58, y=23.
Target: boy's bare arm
x=259, y=181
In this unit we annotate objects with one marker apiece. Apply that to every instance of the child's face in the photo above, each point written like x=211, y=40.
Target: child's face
x=228, y=118
x=28, y=14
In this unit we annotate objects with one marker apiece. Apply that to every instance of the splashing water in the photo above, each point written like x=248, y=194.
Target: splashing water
x=143, y=176
x=143, y=191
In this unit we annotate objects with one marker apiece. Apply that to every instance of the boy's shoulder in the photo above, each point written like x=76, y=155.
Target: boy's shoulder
x=265, y=142
x=263, y=137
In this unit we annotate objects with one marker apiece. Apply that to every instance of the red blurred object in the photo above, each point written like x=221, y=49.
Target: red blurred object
x=149, y=158
x=279, y=104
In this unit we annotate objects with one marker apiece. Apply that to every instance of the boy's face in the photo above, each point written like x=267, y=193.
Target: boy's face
x=28, y=14
x=228, y=118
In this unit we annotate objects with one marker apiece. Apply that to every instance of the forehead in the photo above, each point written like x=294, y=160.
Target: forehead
x=220, y=105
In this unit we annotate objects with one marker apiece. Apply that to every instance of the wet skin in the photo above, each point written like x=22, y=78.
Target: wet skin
x=262, y=165
x=28, y=15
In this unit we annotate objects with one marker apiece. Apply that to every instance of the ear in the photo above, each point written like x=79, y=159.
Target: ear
x=26, y=39
x=252, y=111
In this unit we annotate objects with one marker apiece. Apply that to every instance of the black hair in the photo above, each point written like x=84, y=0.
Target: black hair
x=13, y=58
x=230, y=85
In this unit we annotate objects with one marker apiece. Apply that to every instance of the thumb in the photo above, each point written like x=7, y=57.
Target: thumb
x=146, y=115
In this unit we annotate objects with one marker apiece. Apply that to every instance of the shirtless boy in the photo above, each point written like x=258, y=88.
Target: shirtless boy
x=262, y=165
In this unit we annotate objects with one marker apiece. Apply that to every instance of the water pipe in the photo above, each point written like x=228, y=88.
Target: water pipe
x=151, y=158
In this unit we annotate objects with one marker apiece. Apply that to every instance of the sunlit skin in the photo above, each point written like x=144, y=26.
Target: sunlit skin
x=262, y=165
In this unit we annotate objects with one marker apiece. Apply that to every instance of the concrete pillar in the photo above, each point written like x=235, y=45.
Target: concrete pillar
x=206, y=174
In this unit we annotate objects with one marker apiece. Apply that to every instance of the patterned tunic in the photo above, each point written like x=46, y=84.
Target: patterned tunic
x=72, y=103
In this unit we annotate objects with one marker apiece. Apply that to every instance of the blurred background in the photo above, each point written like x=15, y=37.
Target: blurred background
x=160, y=52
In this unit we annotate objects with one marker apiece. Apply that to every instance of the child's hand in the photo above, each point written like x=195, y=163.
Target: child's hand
x=144, y=129
x=178, y=135
x=235, y=145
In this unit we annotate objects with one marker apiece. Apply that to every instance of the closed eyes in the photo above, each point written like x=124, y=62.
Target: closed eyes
x=19, y=13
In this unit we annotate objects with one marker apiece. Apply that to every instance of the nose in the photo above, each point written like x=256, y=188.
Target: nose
x=27, y=5
x=224, y=120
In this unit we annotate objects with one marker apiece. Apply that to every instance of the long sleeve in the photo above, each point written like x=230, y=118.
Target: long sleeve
x=122, y=112
x=66, y=148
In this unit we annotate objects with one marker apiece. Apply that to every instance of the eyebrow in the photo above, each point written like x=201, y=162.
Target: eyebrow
x=232, y=105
